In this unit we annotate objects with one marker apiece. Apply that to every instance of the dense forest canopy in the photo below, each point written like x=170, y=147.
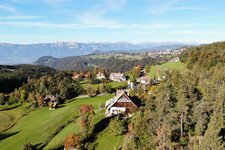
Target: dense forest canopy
x=12, y=77
x=188, y=110
x=205, y=56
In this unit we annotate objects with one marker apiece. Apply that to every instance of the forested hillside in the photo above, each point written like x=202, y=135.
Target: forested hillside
x=206, y=56
x=112, y=64
x=187, y=111
x=12, y=77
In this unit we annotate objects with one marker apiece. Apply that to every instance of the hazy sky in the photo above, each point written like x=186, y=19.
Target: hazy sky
x=34, y=21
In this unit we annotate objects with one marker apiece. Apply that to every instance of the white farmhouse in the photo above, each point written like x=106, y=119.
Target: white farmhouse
x=121, y=103
x=100, y=76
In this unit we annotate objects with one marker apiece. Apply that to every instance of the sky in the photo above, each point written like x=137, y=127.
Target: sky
x=43, y=21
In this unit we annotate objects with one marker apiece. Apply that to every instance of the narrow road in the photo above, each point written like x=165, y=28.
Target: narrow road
x=85, y=95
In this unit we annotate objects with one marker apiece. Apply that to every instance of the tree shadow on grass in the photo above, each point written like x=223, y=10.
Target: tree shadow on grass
x=7, y=135
x=61, y=106
x=37, y=146
x=98, y=128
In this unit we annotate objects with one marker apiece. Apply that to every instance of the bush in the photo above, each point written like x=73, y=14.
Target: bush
x=28, y=146
x=117, y=126
x=90, y=91
x=95, y=81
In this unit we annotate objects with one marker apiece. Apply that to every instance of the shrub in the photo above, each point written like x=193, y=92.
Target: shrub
x=117, y=126
x=28, y=146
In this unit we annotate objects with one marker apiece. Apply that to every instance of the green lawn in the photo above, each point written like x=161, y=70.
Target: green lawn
x=113, y=84
x=42, y=123
x=160, y=69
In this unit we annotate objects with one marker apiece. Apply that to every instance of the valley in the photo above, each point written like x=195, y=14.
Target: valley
x=49, y=108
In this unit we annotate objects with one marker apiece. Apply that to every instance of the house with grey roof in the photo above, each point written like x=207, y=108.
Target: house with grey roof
x=119, y=77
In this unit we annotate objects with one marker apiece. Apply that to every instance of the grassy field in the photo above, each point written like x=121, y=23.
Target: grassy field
x=113, y=84
x=160, y=69
x=8, y=117
x=73, y=127
x=106, y=140
x=7, y=107
x=42, y=123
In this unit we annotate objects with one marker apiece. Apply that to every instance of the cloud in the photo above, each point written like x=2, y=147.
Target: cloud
x=41, y=24
x=188, y=8
x=115, y=3
x=162, y=6
x=7, y=8
x=99, y=23
x=54, y=3
x=18, y=17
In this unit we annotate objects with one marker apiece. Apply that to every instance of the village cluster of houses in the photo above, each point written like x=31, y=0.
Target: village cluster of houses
x=118, y=77
x=122, y=102
x=174, y=52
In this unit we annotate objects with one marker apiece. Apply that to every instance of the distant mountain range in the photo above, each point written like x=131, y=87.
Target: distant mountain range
x=28, y=53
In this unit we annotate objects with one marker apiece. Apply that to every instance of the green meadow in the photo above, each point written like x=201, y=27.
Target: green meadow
x=39, y=126
x=159, y=70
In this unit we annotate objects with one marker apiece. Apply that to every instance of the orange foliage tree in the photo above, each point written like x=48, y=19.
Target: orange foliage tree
x=86, y=122
x=40, y=100
x=72, y=141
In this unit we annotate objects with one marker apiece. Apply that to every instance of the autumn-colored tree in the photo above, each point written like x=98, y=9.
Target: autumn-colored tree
x=130, y=127
x=86, y=122
x=72, y=141
x=135, y=73
x=40, y=100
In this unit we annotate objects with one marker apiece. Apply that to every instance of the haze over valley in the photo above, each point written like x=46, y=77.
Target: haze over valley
x=29, y=53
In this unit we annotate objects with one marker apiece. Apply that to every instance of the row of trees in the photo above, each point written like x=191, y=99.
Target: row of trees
x=35, y=90
x=12, y=77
